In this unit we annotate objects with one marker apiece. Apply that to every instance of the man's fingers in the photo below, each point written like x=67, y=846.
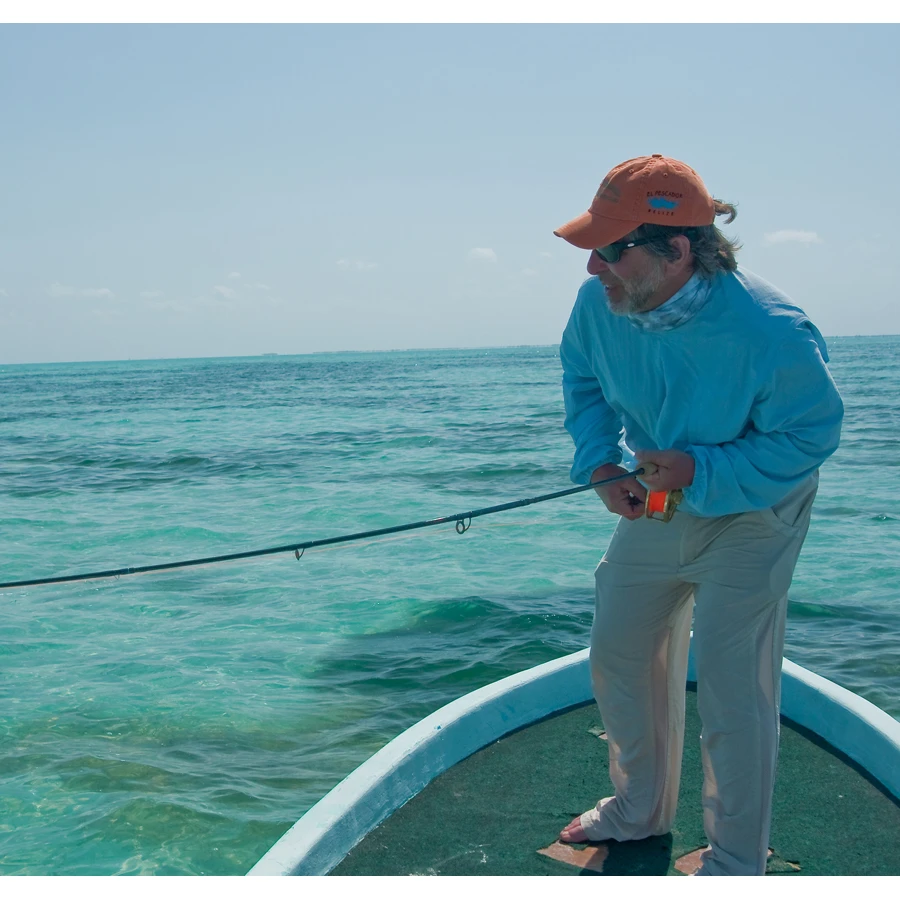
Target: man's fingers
x=625, y=498
x=625, y=503
x=667, y=470
x=637, y=489
x=651, y=469
x=615, y=503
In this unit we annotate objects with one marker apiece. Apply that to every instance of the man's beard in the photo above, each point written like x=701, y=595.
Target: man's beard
x=637, y=291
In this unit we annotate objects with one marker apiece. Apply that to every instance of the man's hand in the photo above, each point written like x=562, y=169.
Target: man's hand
x=675, y=469
x=625, y=497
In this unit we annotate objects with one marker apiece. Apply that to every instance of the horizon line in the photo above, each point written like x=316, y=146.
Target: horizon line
x=65, y=362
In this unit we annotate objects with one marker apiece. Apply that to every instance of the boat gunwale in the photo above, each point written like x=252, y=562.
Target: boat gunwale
x=330, y=829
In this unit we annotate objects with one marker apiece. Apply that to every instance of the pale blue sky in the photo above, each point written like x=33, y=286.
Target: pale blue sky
x=233, y=190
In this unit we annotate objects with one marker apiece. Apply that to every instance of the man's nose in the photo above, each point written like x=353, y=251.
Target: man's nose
x=596, y=265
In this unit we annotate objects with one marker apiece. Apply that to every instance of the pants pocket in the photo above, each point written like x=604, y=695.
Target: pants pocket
x=790, y=516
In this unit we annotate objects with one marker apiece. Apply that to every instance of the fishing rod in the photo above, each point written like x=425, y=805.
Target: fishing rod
x=463, y=522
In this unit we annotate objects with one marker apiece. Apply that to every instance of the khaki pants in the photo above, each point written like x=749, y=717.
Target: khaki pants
x=735, y=571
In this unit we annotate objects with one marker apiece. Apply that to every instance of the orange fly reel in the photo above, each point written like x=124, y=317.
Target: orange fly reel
x=660, y=505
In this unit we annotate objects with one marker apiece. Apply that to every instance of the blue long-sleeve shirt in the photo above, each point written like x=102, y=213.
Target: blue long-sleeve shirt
x=741, y=384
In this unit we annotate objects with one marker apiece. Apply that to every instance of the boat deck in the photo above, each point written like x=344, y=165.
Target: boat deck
x=499, y=811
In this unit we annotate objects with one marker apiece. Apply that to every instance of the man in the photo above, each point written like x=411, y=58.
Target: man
x=676, y=357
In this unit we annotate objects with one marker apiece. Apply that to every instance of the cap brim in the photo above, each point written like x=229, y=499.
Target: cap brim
x=589, y=231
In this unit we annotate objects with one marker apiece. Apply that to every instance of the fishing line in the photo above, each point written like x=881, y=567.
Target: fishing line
x=462, y=521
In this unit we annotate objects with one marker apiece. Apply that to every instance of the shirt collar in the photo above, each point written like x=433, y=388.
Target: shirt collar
x=684, y=304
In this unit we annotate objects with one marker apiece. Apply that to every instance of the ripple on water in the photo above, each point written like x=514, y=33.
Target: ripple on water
x=180, y=723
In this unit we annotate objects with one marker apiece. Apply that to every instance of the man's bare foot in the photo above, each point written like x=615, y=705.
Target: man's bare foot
x=573, y=833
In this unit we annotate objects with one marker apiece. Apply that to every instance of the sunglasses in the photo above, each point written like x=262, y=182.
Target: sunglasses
x=612, y=253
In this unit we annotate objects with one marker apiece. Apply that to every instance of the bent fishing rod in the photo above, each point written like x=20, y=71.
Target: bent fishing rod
x=662, y=503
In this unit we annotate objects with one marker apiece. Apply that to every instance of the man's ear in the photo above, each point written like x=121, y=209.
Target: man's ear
x=682, y=245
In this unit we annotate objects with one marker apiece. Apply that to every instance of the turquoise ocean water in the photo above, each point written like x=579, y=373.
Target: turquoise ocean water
x=179, y=723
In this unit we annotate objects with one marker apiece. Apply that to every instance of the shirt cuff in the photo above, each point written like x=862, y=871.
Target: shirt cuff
x=695, y=492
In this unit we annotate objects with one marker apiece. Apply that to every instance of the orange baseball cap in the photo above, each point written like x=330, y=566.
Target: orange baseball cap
x=647, y=189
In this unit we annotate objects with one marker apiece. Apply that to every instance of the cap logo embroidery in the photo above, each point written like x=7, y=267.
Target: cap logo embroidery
x=662, y=203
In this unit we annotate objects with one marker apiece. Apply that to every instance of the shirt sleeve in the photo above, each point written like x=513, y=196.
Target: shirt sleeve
x=794, y=426
x=594, y=425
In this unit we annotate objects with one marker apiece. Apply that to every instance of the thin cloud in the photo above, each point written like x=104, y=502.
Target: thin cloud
x=3, y=293
x=65, y=290
x=151, y=295
x=169, y=305
x=226, y=292
x=545, y=255
x=484, y=253
x=529, y=273
x=258, y=287
x=787, y=236
x=234, y=274
x=359, y=264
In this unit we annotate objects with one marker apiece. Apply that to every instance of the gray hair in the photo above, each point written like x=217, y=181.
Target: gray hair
x=713, y=251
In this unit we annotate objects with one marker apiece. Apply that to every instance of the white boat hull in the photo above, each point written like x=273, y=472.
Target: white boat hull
x=402, y=768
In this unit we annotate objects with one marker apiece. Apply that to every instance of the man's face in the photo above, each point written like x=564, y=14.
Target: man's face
x=631, y=282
